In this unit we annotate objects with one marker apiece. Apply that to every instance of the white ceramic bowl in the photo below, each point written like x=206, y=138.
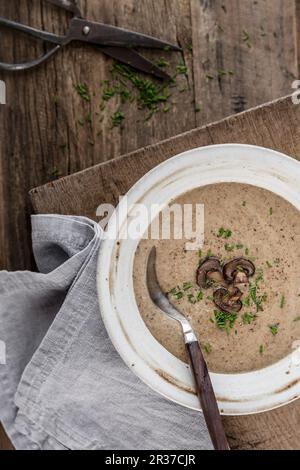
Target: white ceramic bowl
x=237, y=394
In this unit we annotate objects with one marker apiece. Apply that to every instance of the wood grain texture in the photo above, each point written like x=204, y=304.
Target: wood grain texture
x=40, y=136
x=275, y=125
x=240, y=46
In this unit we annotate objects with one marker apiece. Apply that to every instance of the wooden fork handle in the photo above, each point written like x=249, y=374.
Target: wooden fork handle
x=207, y=397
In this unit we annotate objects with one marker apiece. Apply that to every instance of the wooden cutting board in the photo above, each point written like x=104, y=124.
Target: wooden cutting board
x=275, y=125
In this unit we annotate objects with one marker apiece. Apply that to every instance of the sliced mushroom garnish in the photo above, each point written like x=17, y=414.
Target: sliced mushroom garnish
x=209, y=270
x=228, y=300
x=238, y=271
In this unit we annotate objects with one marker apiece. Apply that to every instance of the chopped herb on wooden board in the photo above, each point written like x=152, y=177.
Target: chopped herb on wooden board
x=246, y=38
x=131, y=86
x=117, y=118
x=83, y=91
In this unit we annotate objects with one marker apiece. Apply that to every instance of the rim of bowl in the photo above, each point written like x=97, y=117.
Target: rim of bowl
x=119, y=335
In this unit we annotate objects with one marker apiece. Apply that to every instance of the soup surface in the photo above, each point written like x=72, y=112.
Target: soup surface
x=240, y=221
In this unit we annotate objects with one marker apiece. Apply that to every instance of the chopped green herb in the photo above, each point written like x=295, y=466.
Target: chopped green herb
x=224, y=233
x=260, y=277
x=274, y=329
x=197, y=109
x=191, y=298
x=179, y=295
x=246, y=38
x=269, y=264
x=187, y=286
x=261, y=349
x=55, y=173
x=176, y=292
x=200, y=296
x=271, y=210
x=108, y=93
x=297, y=319
x=207, y=348
x=229, y=247
x=83, y=91
x=246, y=301
x=190, y=47
x=210, y=77
x=248, y=318
x=222, y=73
x=173, y=291
x=181, y=69
x=247, y=251
x=163, y=62
x=244, y=203
x=203, y=257
x=224, y=321
x=282, y=301
x=239, y=246
x=150, y=95
x=117, y=118
x=257, y=300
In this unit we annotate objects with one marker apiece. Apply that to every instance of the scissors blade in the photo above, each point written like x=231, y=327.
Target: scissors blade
x=108, y=35
x=69, y=5
x=135, y=60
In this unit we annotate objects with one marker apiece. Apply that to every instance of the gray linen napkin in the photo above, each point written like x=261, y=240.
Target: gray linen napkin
x=63, y=385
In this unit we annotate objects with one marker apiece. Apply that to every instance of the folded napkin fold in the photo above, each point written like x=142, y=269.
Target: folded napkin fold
x=62, y=384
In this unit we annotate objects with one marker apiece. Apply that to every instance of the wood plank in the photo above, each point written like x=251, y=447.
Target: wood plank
x=275, y=125
x=240, y=46
x=41, y=137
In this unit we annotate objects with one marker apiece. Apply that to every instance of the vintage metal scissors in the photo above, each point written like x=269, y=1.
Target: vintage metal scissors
x=116, y=42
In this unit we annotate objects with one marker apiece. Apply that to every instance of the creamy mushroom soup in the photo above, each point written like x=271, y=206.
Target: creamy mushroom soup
x=241, y=291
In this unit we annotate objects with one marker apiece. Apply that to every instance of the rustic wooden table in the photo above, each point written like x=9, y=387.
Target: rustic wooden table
x=238, y=54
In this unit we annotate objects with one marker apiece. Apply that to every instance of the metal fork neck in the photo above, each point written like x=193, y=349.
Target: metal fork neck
x=188, y=333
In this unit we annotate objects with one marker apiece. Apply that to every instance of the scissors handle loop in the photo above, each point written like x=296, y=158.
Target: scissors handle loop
x=43, y=35
x=30, y=64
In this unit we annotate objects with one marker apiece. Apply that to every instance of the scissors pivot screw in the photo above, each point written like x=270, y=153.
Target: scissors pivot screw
x=86, y=30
